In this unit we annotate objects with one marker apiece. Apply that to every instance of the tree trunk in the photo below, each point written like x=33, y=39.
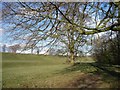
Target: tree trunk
x=32, y=50
x=72, y=57
x=118, y=48
x=118, y=37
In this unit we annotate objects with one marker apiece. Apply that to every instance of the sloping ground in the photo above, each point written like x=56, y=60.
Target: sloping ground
x=21, y=70
x=39, y=71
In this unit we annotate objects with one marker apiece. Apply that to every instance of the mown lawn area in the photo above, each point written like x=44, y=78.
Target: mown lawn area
x=39, y=71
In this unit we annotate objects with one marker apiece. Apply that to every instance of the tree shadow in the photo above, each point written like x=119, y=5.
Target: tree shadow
x=87, y=81
x=105, y=69
x=108, y=74
x=95, y=73
x=82, y=67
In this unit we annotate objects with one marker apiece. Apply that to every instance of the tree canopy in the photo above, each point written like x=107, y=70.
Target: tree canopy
x=61, y=23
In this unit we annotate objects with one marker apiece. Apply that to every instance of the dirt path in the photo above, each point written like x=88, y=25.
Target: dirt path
x=88, y=81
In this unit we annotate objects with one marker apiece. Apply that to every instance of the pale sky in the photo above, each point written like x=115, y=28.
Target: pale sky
x=4, y=40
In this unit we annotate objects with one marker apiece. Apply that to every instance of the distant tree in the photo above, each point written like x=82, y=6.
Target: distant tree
x=38, y=51
x=4, y=48
x=14, y=48
x=52, y=51
x=61, y=52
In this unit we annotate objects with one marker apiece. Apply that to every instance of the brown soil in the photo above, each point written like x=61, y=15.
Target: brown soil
x=87, y=81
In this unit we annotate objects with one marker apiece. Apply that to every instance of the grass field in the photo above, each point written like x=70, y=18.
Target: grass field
x=39, y=71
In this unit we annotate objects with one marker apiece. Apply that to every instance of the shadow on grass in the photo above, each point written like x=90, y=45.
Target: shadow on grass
x=107, y=69
x=81, y=67
x=107, y=73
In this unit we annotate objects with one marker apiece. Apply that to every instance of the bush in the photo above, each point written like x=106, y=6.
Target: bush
x=107, y=50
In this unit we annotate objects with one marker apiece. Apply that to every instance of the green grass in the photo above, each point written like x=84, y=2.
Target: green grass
x=24, y=70
x=39, y=71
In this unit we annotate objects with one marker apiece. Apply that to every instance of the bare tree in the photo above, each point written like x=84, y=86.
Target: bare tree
x=14, y=48
x=68, y=23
